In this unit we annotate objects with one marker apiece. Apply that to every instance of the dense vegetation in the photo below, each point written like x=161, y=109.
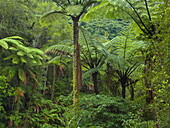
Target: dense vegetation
x=84, y=63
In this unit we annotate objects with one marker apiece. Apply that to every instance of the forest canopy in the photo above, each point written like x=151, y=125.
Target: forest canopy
x=84, y=63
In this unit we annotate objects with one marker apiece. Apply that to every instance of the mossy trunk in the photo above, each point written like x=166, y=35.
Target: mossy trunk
x=149, y=89
x=77, y=79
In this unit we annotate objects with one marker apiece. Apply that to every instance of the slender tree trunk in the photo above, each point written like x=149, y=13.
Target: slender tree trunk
x=123, y=91
x=53, y=85
x=149, y=91
x=45, y=82
x=94, y=77
x=77, y=79
x=132, y=92
x=123, y=83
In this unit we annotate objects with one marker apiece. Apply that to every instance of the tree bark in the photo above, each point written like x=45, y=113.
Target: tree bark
x=132, y=92
x=123, y=91
x=149, y=91
x=53, y=84
x=94, y=77
x=123, y=82
x=77, y=77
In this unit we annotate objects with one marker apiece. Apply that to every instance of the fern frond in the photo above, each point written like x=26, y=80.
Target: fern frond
x=90, y=72
x=51, y=16
x=44, y=1
x=15, y=37
x=3, y=44
x=13, y=41
x=74, y=10
x=60, y=50
x=36, y=51
x=58, y=60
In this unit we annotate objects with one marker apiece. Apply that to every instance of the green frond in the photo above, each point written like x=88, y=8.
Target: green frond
x=36, y=51
x=74, y=10
x=58, y=60
x=45, y=1
x=107, y=9
x=55, y=60
x=39, y=57
x=51, y=17
x=21, y=75
x=15, y=60
x=12, y=41
x=60, y=50
x=3, y=44
x=100, y=47
x=115, y=60
x=15, y=37
x=13, y=49
x=92, y=13
x=23, y=59
x=10, y=57
x=30, y=56
x=20, y=53
x=90, y=72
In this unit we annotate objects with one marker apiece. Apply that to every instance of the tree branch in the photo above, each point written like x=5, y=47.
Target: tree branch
x=140, y=19
x=143, y=30
x=69, y=2
x=147, y=8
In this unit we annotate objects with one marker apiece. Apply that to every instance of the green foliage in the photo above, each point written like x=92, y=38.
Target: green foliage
x=15, y=19
x=33, y=93
x=5, y=91
x=105, y=27
x=96, y=111
x=20, y=55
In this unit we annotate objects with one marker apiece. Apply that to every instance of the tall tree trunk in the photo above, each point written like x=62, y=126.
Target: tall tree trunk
x=94, y=77
x=149, y=88
x=147, y=70
x=53, y=84
x=77, y=79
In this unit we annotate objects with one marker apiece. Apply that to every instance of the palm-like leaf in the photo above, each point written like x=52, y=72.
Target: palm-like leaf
x=14, y=40
x=52, y=16
x=89, y=72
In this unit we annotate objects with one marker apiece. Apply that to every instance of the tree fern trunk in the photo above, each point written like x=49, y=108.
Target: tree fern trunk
x=94, y=76
x=123, y=91
x=132, y=93
x=77, y=80
x=123, y=83
x=149, y=91
x=53, y=84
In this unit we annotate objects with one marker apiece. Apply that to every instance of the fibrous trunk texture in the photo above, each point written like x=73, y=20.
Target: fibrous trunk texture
x=77, y=77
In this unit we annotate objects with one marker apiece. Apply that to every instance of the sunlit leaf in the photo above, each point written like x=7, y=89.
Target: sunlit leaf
x=3, y=44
